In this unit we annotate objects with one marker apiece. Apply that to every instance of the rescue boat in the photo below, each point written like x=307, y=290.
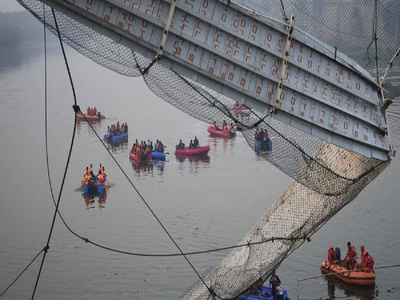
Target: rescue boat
x=348, y=276
x=266, y=294
x=201, y=150
x=83, y=117
x=225, y=134
x=140, y=158
x=110, y=138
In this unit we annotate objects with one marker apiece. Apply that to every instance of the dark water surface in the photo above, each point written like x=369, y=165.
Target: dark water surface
x=204, y=204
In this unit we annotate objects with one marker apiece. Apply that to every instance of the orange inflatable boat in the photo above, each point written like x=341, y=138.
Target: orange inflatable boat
x=81, y=117
x=350, y=277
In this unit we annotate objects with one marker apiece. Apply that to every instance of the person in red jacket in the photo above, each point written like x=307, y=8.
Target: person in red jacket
x=350, y=259
x=360, y=265
x=369, y=263
x=332, y=255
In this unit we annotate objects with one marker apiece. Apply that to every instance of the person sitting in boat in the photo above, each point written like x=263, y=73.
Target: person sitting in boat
x=332, y=255
x=232, y=129
x=126, y=127
x=100, y=169
x=224, y=126
x=363, y=251
x=88, y=111
x=94, y=111
x=161, y=147
x=350, y=259
x=369, y=263
x=91, y=169
x=181, y=145
x=195, y=142
x=274, y=282
x=191, y=144
x=215, y=126
x=86, y=179
x=100, y=178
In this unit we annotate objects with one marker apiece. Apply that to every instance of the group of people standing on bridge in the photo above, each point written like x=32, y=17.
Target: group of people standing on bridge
x=90, y=178
x=350, y=260
x=117, y=129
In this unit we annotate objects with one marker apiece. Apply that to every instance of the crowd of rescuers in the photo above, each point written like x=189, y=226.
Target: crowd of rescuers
x=147, y=147
x=117, y=129
x=274, y=283
x=192, y=145
x=224, y=127
x=350, y=260
x=92, y=111
x=89, y=176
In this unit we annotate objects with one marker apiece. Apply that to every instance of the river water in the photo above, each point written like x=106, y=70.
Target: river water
x=204, y=204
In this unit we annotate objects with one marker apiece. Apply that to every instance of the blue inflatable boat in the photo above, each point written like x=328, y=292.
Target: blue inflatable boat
x=158, y=155
x=110, y=138
x=266, y=295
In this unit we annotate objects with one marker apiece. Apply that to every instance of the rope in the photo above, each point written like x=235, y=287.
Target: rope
x=347, y=271
x=23, y=271
x=67, y=164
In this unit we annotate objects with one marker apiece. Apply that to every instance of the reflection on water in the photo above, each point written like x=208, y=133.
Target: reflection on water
x=90, y=200
x=360, y=292
x=193, y=158
x=120, y=146
x=143, y=168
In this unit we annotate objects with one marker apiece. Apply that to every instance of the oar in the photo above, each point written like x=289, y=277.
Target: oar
x=347, y=271
x=108, y=183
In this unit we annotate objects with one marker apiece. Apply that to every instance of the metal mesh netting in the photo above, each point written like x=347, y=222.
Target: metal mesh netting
x=326, y=177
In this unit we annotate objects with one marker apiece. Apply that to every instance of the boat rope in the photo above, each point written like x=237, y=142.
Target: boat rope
x=67, y=163
x=347, y=271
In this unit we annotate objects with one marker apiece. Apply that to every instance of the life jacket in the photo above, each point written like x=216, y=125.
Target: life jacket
x=215, y=127
x=86, y=179
x=352, y=253
x=225, y=128
x=363, y=256
x=369, y=263
x=100, y=179
x=331, y=255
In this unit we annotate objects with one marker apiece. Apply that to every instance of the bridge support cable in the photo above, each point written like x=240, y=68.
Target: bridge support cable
x=167, y=26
